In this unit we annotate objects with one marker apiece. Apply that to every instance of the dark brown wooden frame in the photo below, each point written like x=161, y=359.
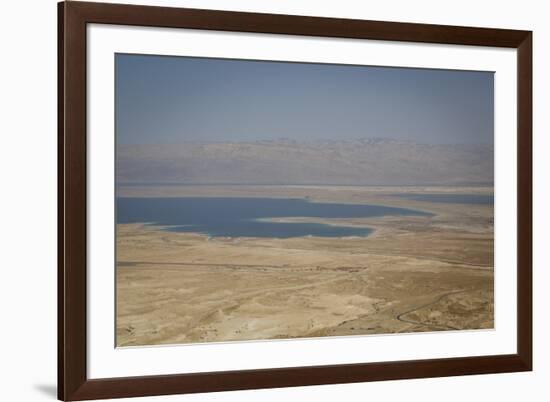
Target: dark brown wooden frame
x=73, y=383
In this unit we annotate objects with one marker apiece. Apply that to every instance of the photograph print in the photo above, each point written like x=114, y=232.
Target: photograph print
x=264, y=200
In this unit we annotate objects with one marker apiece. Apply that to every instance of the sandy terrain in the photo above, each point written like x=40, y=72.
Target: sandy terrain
x=412, y=274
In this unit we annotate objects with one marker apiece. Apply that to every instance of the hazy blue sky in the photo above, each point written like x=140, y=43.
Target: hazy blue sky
x=163, y=99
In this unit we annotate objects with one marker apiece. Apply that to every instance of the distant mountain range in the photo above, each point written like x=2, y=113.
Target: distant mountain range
x=368, y=161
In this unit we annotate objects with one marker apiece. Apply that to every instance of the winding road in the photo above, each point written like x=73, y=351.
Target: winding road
x=443, y=327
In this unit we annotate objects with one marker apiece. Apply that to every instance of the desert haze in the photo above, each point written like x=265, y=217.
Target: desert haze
x=368, y=161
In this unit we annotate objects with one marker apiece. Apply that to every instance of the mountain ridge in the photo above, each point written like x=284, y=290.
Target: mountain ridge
x=364, y=161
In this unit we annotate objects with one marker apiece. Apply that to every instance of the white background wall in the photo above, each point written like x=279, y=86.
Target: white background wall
x=28, y=201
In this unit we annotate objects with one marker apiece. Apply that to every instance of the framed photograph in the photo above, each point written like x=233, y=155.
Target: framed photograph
x=253, y=200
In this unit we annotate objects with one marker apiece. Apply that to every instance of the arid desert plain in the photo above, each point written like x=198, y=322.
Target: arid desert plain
x=411, y=274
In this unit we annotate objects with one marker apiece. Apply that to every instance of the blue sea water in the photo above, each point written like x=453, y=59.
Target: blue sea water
x=243, y=217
